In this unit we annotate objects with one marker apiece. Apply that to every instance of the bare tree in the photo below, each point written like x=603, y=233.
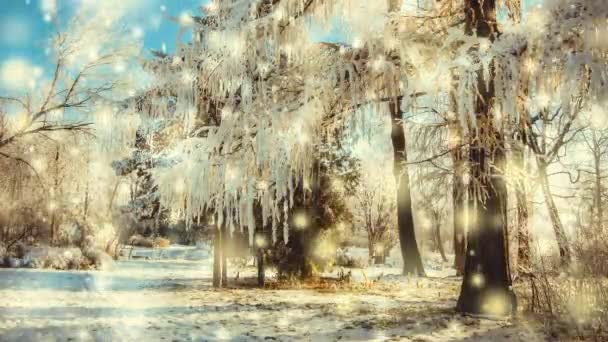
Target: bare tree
x=547, y=148
x=375, y=210
x=596, y=142
x=78, y=80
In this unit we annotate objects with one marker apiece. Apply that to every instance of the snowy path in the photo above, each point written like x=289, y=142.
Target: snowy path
x=173, y=301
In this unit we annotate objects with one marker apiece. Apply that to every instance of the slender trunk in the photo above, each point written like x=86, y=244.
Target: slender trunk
x=85, y=209
x=217, y=259
x=54, y=224
x=370, y=251
x=412, y=262
x=111, y=198
x=459, y=193
x=437, y=235
x=560, y=233
x=224, y=238
x=459, y=219
x=261, y=267
x=53, y=231
x=523, y=234
x=599, y=208
x=371, y=238
x=486, y=286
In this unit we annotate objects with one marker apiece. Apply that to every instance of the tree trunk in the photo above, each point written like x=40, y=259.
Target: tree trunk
x=53, y=230
x=459, y=193
x=558, y=227
x=54, y=224
x=261, y=267
x=523, y=234
x=599, y=208
x=412, y=262
x=486, y=286
x=437, y=234
x=370, y=250
x=217, y=258
x=521, y=193
x=460, y=223
x=85, y=209
x=225, y=241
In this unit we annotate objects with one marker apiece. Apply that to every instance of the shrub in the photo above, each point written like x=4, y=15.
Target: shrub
x=592, y=256
x=3, y=254
x=161, y=242
x=52, y=257
x=98, y=258
x=344, y=259
x=140, y=241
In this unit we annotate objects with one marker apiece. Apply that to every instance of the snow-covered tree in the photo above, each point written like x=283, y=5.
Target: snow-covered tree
x=54, y=132
x=256, y=94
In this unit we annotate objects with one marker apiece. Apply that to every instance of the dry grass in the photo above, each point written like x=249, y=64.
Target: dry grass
x=571, y=307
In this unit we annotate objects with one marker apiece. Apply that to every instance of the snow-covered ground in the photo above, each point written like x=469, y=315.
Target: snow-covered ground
x=172, y=300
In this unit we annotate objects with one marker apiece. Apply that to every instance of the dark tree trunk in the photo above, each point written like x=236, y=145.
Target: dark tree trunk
x=459, y=221
x=412, y=262
x=260, y=244
x=261, y=267
x=486, y=286
x=225, y=237
x=53, y=230
x=217, y=259
x=370, y=249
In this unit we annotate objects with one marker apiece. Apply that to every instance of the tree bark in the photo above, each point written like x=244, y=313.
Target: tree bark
x=225, y=241
x=597, y=195
x=459, y=220
x=370, y=248
x=437, y=235
x=521, y=195
x=560, y=233
x=486, y=286
x=261, y=267
x=412, y=262
x=54, y=224
x=459, y=193
x=85, y=210
x=217, y=259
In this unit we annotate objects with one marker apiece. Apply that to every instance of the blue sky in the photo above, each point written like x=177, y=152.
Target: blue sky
x=24, y=31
